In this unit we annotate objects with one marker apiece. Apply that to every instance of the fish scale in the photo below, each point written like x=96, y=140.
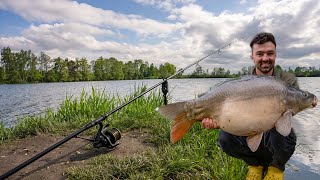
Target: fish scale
x=247, y=106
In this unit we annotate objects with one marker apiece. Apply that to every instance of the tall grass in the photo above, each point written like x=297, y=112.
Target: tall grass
x=196, y=156
x=76, y=112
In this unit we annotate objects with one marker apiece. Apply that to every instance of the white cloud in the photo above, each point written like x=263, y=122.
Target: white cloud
x=65, y=36
x=243, y=1
x=223, y=26
x=49, y=11
x=71, y=29
x=16, y=42
x=166, y=5
x=294, y=24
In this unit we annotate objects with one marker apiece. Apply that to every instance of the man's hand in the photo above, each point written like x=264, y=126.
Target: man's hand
x=210, y=123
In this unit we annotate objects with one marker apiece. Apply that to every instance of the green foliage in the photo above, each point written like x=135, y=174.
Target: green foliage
x=76, y=112
x=166, y=70
x=2, y=75
x=195, y=156
x=61, y=70
x=84, y=69
x=25, y=67
x=306, y=71
x=198, y=72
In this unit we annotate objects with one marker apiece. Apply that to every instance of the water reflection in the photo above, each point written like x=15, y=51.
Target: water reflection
x=28, y=99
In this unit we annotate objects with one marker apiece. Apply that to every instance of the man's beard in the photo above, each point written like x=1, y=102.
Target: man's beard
x=265, y=69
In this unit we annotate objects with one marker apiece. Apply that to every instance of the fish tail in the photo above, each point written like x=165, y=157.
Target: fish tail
x=180, y=124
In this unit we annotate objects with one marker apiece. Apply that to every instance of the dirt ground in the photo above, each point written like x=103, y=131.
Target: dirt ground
x=72, y=153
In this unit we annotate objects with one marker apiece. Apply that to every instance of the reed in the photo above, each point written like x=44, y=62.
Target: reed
x=195, y=156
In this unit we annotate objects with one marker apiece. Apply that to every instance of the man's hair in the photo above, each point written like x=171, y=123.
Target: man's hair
x=262, y=38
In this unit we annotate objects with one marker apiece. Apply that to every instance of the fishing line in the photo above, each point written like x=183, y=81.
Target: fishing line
x=106, y=137
x=197, y=63
x=199, y=60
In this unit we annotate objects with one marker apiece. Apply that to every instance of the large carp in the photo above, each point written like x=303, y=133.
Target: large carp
x=247, y=106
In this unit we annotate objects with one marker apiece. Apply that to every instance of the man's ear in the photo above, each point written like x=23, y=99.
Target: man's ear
x=251, y=56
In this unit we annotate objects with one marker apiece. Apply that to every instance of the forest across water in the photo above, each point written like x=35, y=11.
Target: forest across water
x=27, y=67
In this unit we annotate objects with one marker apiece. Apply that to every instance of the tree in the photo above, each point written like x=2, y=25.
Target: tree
x=166, y=70
x=228, y=73
x=74, y=75
x=61, y=69
x=98, y=69
x=214, y=72
x=107, y=68
x=117, y=70
x=2, y=75
x=129, y=70
x=22, y=60
x=180, y=75
x=34, y=75
x=290, y=70
x=198, y=72
x=84, y=69
x=144, y=70
x=154, y=71
x=51, y=76
x=8, y=61
x=137, y=73
x=244, y=71
x=221, y=72
x=45, y=64
x=278, y=68
x=298, y=71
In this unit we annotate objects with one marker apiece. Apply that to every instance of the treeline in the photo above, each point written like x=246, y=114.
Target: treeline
x=223, y=73
x=26, y=67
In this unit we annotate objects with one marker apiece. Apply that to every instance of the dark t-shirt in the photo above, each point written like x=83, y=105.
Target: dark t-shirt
x=288, y=78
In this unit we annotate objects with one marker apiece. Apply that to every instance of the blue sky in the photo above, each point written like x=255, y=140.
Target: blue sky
x=158, y=31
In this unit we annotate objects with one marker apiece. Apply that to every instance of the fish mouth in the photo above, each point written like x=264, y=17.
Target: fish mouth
x=314, y=104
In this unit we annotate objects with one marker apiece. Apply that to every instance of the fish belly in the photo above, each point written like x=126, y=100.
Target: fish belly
x=249, y=116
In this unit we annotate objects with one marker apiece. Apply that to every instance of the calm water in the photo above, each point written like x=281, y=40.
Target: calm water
x=29, y=99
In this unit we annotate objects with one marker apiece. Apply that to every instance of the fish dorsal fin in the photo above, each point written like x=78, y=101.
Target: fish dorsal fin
x=254, y=141
x=283, y=125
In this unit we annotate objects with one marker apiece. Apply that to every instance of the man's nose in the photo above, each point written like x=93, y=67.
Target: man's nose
x=265, y=57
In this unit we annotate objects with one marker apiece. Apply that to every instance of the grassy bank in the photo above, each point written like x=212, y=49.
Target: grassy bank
x=196, y=156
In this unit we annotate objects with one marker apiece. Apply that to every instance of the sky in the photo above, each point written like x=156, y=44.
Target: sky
x=158, y=31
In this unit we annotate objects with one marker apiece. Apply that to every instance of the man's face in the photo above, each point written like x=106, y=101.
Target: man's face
x=264, y=57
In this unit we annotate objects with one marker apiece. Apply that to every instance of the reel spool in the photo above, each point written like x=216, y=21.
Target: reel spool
x=106, y=137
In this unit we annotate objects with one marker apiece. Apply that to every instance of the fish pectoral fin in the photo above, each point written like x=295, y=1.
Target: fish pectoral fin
x=283, y=125
x=180, y=127
x=254, y=141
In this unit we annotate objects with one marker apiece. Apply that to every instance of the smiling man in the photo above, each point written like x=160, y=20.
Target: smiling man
x=264, y=54
x=275, y=150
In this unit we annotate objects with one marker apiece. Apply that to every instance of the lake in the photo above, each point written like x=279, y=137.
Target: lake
x=17, y=100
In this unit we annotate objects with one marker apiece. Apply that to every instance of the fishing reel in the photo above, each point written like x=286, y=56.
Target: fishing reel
x=106, y=137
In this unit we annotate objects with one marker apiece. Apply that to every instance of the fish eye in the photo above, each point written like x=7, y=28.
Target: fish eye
x=304, y=94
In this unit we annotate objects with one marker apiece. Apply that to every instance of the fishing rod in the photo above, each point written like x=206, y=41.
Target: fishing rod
x=104, y=137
